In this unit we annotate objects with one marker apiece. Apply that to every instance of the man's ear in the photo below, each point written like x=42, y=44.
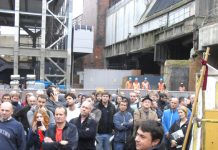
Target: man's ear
x=155, y=142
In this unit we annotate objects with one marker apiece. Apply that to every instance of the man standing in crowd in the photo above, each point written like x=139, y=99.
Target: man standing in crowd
x=86, y=127
x=105, y=126
x=123, y=122
x=63, y=135
x=134, y=102
x=169, y=117
x=149, y=135
x=144, y=113
x=53, y=101
x=15, y=100
x=21, y=115
x=11, y=132
x=72, y=110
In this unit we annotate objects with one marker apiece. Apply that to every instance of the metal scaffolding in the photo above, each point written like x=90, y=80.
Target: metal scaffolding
x=53, y=20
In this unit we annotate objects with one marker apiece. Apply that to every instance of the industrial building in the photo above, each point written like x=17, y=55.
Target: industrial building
x=41, y=38
x=144, y=34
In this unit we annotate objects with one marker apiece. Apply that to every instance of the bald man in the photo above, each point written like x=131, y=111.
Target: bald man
x=86, y=127
x=11, y=132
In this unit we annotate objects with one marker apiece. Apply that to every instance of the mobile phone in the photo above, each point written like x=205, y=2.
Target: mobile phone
x=39, y=123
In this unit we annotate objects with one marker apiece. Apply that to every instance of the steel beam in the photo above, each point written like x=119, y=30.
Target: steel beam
x=43, y=28
x=69, y=45
x=16, y=35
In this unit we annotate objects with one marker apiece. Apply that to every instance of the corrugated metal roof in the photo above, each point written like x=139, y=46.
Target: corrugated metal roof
x=161, y=5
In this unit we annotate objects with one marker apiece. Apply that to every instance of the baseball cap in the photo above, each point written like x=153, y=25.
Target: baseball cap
x=146, y=98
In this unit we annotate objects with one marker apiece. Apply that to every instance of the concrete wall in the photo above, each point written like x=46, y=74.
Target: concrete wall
x=208, y=35
x=107, y=79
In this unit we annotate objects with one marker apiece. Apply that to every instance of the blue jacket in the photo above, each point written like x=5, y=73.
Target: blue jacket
x=169, y=118
x=12, y=135
x=123, y=122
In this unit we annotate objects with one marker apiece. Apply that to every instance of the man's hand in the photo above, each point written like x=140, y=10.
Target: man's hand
x=48, y=140
x=173, y=143
x=63, y=142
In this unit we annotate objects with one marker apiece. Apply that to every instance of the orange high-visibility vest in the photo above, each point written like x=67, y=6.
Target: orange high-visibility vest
x=161, y=86
x=128, y=85
x=136, y=85
x=145, y=85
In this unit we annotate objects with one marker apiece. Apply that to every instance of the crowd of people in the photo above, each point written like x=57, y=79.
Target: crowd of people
x=75, y=121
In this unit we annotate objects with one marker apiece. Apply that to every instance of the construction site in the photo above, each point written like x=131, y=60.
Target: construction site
x=112, y=40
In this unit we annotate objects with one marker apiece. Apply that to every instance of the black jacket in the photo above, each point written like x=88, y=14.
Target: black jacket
x=69, y=134
x=175, y=127
x=21, y=116
x=87, y=132
x=102, y=128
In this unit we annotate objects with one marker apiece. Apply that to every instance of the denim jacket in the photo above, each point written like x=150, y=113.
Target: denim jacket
x=123, y=122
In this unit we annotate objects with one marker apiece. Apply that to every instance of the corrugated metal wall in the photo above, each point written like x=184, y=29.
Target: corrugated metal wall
x=121, y=19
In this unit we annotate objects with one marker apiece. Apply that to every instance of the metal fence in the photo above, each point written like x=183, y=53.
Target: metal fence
x=88, y=92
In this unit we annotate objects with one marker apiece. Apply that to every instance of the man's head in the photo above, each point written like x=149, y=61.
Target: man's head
x=15, y=96
x=73, y=91
x=6, y=110
x=174, y=103
x=86, y=108
x=70, y=97
x=98, y=96
x=133, y=97
x=60, y=115
x=146, y=102
x=123, y=105
x=149, y=134
x=41, y=100
x=182, y=101
x=51, y=92
x=31, y=100
x=6, y=97
x=105, y=97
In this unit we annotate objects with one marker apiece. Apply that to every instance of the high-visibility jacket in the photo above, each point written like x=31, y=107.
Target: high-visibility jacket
x=145, y=85
x=161, y=86
x=129, y=85
x=136, y=85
